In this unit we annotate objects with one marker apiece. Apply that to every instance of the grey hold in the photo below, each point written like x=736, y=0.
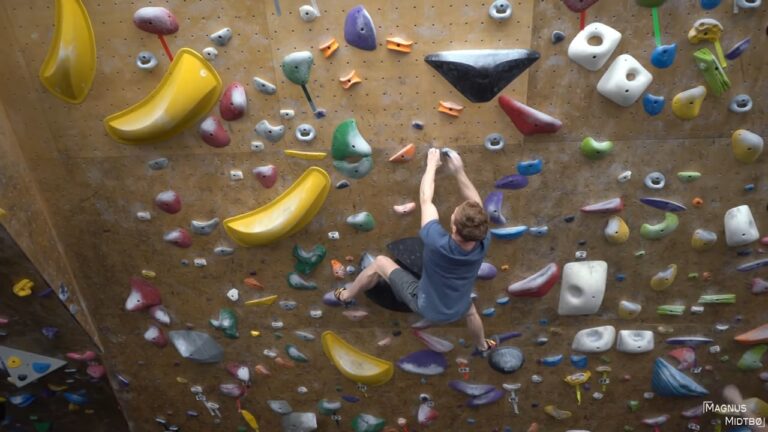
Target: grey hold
x=299, y=422
x=204, y=227
x=264, y=86
x=506, y=359
x=146, y=60
x=500, y=10
x=655, y=180
x=740, y=104
x=305, y=133
x=280, y=406
x=222, y=36
x=494, y=142
x=557, y=37
x=271, y=133
x=287, y=305
x=196, y=346
x=224, y=251
x=158, y=164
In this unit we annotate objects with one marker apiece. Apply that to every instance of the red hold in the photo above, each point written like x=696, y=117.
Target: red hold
x=178, y=237
x=759, y=286
x=611, y=206
x=212, y=132
x=266, y=175
x=143, y=295
x=528, y=120
x=84, y=356
x=537, y=285
x=234, y=102
x=579, y=5
x=156, y=336
x=96, y=371
x=156, y=20
x=168, y=201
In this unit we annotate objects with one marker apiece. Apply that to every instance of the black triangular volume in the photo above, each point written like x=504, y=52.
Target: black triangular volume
x=480, y=75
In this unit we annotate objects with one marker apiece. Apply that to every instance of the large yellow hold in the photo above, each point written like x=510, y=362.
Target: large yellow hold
x=663, y=279
x=747, y=146
x=687, y=105
x=354, y=364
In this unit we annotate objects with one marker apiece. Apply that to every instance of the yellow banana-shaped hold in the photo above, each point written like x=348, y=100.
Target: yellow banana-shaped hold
x=250, y=419
x=285, y=215
x=23, y=288
x=266, y=301
x=70, y=65
x=187, y=92
x=616, y=231
x=305, y=155
x=663, y=279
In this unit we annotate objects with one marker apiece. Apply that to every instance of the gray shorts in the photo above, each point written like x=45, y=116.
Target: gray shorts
x=405, y=287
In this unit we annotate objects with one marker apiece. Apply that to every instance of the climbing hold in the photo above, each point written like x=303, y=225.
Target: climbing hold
x=233, y=294
x=349, y=143
x=738, y=49
x=740, y=228
x=557, y=37
x=506, y=359
x=235, y=175
x=354, y=364
x=748, y=4
x=223, y=251
x=329, y=47
x=624, y=81
x=25, y=367
x=594, y=340
x=22, y=400
x=399, y=44
x=652, y=104
x=23, y=288
x=160, y=314
x=433, y=342
x=661, y=230
x=213, y=133
x=551, y=361
x=280, y=406
x=299, y=422
x=747, y=146
x=305, y=133
x=578, y=5
x=404, y=155
x=487, y=271
x=233, y=102
x=221, y=37
x=187, y=92
x=367, y=423
x=271, y=133
x=146, y=60
x=706, y=29
x=595, y=150
x=664, y=55
x=305, y=155
x=296, y=355
x=512, y=182
x=488, y=312
x=616, y=230
x=350, y=79
x=362, y=221
x=697, y=202
x=298, y=282
x=582, y=287
x=709, y=4
x=668, y=381
x=485, y=399
x=579, y=361
x=158, y=164
x=509, y=233
x=143, y=295
x=404, y=209
x=210, y=53
x=655, y=181
x=717, y=299
x=263, y=86
x=703, y=239
x=359, y=30
x=557, y=413
x=663, y=204
x=539, y=231
x=168, y=201
x=262, y=301
x=156, y=336
x=663, y=279
x=740, y=104
x=629, y=310
x=528, y=120
x=500, y=10
x=481, y=74
x=713, y=73
x=257, y=146
x=494, y=142
x=227, y=322
x=196, y=346
x=689, y=340
x=308, y=14
x=538, y=284
x=451, y=108
x=750, y=360
x=179, y=237
x=624, y=177
x=355, y=315
x=156, y=20
x=530, y=167
x=426, y=362
x=306, y=261
x=688, y=176
x=297, y=67
x=266, y=175
x=687, y=105
x=338, y=270
x=204, y=227
x=593, y=57
x=755, y=336
x=610, y=206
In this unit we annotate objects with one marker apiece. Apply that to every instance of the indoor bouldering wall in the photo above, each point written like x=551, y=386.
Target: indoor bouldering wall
x=92, y=189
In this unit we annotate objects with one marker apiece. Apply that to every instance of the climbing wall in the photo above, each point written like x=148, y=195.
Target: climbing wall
x=91, y=188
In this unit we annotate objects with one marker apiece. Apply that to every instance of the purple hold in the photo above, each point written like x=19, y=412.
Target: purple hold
x=350, y=398
x=468, y=389
x=738, y=49
x=487, y=271
x=50, y=332
x=492, y=206
x=330, y=300
x=486, y=399
x=514, y=181
x=359, y=30
x=425, y=362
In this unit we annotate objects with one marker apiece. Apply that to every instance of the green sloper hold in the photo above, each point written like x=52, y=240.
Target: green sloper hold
x=367, y=423
x=688, y=176
x=713, y=73
x=306, y=261
x=595, y=149
x=296, y=355
x=650, y=3
x=348, y=143
x=298, y=282
x=296, y=67
x=751, y=359
x=362, y=221
x=659, y=231
x=227, y=322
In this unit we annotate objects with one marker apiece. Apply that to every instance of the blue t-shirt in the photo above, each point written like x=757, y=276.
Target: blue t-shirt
x=448, y=274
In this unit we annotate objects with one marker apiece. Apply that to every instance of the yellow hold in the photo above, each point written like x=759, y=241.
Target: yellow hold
x=629, y=310
x=23, y=288
x=616, y=231
x=703, y=239
x=747, y=146
x=70, y=65
x=283, y=216
x=305, y=155
x=663, y=279
x=687, y=105
x=354, y=364
x=188, y=91
x=250, y=419
x=262, y=301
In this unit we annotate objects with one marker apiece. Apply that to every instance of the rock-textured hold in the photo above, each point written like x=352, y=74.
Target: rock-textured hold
x=506, y=359
x=299, y=422
x=306, y=261
x=527, y=120
x=227, y=322
x=359, y=30
x=668, y=381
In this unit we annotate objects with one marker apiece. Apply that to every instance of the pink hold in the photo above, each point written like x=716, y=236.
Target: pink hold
x=232, y=390
x=685, y=355
x=266, y=175
x=213, y=133
x=239, y=371
x=355, y=315
x=143, y=295
x=156, y=336
x=168, y=201
x=178, y=237
x=96, y=371
x=4, y=320
x=156, y=20
x=759, y=286
x=84, y=356
x=610, y=206
x=426, y=414
x=160, y=314
x=764, y=241
x=234, y=102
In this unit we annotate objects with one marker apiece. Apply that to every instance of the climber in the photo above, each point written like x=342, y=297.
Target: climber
x=451, y=260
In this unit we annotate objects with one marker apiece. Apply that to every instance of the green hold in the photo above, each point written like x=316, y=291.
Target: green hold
x=628, y=428
x=227, y=322
x=640, y=253
x=693, y=276
x=670, y=310
x=367, y=423
x=295, y=355
x=355, y=170
x=307, y=261
x=714, y=74
x=348, y=144
x=633, y=405
x=688, y=176
x=296, y=67
x=278, y=335
x=718, y=299
x=751, y=359
x=659, y=231
x=242, y=429
x=596, y=150
x=362, y=221
x=298, y=282
x=650, y=3
x=42, y=426
x=724, y=358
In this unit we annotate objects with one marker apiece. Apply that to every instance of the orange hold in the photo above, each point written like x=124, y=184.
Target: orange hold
x=399, y=44
x=285, y=362
x=253, y=283
x=505, y=267
x=351, y=79
x=534, y=427
x=451, y=108
x=706, y=276
x=339, y=272
x=753, y=337
x=697, y=202
x=349, y=258
x=262, y=370
x=329, y=47
x=404, y=155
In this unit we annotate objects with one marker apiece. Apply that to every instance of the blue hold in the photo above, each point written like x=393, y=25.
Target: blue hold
x=489, y=312
x=40, y=367
x=539, y=231
x=664, y=55
x=531, y=167
x=579, y=361
x=552, y=361
x=509, y=233
x=621, y=277
x=653, y=104
x=709, y=4
x=668, y=381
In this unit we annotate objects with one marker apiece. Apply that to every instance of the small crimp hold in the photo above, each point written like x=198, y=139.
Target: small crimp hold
x=350, y=79
x=221, y=37
x=451, y=108
x=404, y=155
x=263, y=86
x=329, y=47
x=399, y=44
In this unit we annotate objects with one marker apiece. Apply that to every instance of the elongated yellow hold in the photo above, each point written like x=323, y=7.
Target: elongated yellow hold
x=250, y=419
x=262, y=301
x=629, y=310
x=702, y=239
x=187, y=92
x=70, y=65
x=747, y=146
x=285, y=215
x=663, y=279
x=616, y=231
x=354, y=364
x=23, y=287
x=687, y=105
x=305, y=155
